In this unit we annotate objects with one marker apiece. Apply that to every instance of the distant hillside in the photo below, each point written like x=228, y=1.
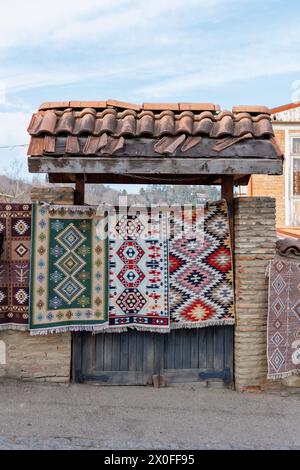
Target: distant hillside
x=14, y=190
x=17, y=190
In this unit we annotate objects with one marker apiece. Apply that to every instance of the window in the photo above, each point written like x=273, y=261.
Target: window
x=296, y=176
x=296, y=146
x=295, y=182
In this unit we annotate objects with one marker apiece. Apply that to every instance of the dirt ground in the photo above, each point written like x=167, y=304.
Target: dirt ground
x=36, y=416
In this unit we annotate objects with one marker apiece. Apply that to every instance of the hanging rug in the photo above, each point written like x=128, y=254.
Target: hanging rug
x=200, y=264
x=15, y=230
x=69, y=275
x=139, y=272
x=283, y=329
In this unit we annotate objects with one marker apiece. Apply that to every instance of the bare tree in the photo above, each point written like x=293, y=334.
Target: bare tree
x=13, y=187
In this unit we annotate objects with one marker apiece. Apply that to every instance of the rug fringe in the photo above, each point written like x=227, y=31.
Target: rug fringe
x=151, y=329
x=110, y=330
x=62, y=329
x=283, y=375
x=203, y=324
x=122, y=329
x=12, y=326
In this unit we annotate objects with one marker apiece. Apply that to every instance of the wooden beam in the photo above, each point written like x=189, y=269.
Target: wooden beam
x=158, y=166
x=79, y=190
x=134, y=179
x=227, y=192
x=227, y=188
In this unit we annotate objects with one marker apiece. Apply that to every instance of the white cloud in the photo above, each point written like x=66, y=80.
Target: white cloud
x=129, y=37
x=13, y=127
x=266, y=56
x=32, y=22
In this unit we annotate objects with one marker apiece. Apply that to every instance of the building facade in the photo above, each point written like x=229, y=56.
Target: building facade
x=286, y=187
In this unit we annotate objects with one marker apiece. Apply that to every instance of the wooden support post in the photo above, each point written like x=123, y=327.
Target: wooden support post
x=79, y=190
x=227, y=188
x=227, y=193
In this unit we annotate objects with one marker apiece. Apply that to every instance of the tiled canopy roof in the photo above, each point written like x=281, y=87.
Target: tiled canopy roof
x=104, y=127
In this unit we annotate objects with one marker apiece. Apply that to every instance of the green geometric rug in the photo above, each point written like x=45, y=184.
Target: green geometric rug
x=69, y=270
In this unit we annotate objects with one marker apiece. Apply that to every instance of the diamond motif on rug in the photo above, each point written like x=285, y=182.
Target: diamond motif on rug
x=220, y=259
x=283, y=327
x=201, y=290
x=138, y=276
x=131, y=301
x=198, y=310
x=278, y=306
x=277, y=360
x=69, y=270
x=15, y=225
x=70, y=264
x=21, y=296
x=196, y=279
x=69, y=290
x=130, y=227
x=277, y=339
x=21, y=227
x=131, y=276
x=70, y=238
x=279, y=284
x=21, y=250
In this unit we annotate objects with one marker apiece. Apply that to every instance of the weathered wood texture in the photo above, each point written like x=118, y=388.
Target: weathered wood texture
x=227, y=189
x=155, y=165
x=97, y=178
x=52, y=195
x=133, y=358
x=79, y=190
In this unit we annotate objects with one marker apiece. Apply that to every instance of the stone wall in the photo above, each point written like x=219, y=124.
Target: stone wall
x=38, y=358
x=255, y=238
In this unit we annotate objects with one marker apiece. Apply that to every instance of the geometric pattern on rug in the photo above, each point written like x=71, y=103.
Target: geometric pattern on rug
x=69, y=272
x=15, y=225
x=200, y=265
x=139, y=273
x=283, y=329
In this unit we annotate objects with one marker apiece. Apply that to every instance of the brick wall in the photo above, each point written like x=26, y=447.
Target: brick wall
x=272, y=186
x=255, y=238
x=38, y=358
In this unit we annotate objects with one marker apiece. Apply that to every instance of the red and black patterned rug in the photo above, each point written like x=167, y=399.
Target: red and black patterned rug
x=201, y=276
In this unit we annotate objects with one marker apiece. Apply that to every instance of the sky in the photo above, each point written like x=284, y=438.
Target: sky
x=227, y=52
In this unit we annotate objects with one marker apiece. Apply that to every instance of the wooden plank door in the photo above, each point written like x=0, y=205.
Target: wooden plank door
x=134, y=357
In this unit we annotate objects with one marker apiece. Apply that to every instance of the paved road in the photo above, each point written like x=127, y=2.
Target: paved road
x=35, y=416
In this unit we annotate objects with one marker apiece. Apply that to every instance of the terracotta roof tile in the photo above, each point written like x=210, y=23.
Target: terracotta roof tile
x=117, y=120
x=285, y=107
x=72, y=145
x=49, y=144
x=198, y=107
x=161, y=106
x=87, y=104
x=124, y=105
x=251, y=109
x=36, y=146
x=54, y=105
